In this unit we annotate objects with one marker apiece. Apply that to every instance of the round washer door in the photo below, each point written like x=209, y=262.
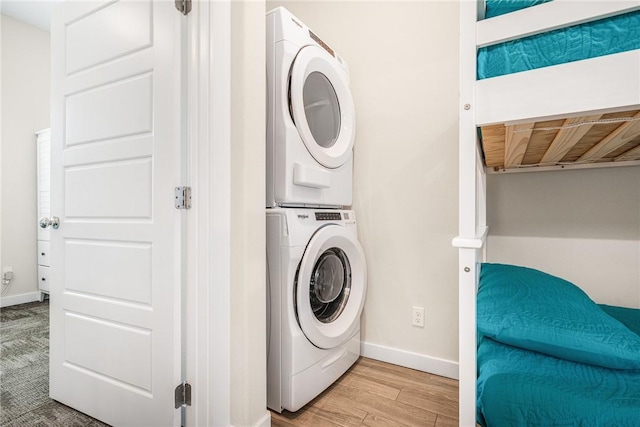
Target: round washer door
x=331, y=287
x=322, y=106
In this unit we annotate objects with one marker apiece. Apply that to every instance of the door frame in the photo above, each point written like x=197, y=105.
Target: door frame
x=207, y=312
x=217, y=113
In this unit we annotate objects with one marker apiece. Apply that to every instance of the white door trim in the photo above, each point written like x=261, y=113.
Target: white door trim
x=208, y=273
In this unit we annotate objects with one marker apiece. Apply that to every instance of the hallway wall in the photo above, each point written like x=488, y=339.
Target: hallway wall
x=25, y=110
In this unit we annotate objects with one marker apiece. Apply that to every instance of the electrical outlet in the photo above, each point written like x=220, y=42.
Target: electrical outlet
x=7, y=273
x=418, y=316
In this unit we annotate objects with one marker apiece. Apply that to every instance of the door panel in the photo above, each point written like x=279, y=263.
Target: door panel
x=90, y=39
x=109, y=190
x=116, y=157
x=91, y=115
x=86, y=334
x=86, y=273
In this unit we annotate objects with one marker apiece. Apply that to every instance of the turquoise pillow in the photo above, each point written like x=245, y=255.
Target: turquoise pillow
x=527, y=308
x=629, y=317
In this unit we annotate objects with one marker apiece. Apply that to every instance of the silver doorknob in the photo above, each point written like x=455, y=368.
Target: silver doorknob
x=54, y=222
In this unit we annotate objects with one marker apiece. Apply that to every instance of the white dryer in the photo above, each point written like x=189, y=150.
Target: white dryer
x=310, y=118
x=317, y=281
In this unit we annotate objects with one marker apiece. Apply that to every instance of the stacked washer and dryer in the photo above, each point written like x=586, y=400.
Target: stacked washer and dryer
x=316, y=271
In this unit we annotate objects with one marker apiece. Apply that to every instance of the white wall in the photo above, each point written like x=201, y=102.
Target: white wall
x=25, y=110
x=403, y=60
x=248, y=229
x=582, y=225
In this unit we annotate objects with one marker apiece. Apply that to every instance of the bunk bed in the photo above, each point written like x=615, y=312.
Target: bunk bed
x=561, y=90
x=578, y=114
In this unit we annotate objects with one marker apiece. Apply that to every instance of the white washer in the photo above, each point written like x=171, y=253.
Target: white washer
x=317, y=280
x=310, y=118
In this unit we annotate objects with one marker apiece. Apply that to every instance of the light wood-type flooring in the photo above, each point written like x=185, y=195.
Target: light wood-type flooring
x=374, y=393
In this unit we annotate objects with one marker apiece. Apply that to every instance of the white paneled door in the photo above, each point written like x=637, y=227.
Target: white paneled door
x=116, y=158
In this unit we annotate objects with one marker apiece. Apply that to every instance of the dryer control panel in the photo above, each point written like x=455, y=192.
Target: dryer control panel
x=321, y=43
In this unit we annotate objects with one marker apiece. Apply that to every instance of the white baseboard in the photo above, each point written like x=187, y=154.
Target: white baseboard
x=19, y=299
x=265, y=421
x=432, y=365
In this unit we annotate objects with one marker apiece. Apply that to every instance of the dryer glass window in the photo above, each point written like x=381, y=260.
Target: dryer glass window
x=330, y=285
x=322, y=109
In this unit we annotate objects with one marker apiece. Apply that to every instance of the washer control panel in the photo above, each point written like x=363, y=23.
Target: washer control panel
x=329, y=216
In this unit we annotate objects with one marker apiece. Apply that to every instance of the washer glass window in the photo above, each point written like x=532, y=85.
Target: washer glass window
x=330, y=285
x=322, y=109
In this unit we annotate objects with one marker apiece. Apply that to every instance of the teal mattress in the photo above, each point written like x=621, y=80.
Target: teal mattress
x=598, y=38
x=518, y=387
x=495, y=8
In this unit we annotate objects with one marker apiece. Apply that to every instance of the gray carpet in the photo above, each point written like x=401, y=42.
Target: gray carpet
x=24, y=371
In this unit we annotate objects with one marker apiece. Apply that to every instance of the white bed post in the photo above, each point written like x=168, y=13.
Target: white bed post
x=472, y=211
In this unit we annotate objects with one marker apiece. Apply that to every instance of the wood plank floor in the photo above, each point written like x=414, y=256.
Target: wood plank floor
x=374, y=393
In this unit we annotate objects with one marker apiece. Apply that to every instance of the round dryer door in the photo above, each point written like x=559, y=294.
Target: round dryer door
x=322, y=106
x=331, y=287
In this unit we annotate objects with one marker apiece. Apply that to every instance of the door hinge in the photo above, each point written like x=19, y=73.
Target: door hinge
x=184, y=6
x=183, y=395
x=183, y=197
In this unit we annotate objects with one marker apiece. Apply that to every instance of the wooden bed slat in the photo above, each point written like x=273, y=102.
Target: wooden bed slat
x=623, y=134
x=493, y=145
x=516, y=140
x=633, y=154
x=567, y=138
x=597, y=138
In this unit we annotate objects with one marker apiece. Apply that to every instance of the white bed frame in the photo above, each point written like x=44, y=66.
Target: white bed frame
x=605, y=84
